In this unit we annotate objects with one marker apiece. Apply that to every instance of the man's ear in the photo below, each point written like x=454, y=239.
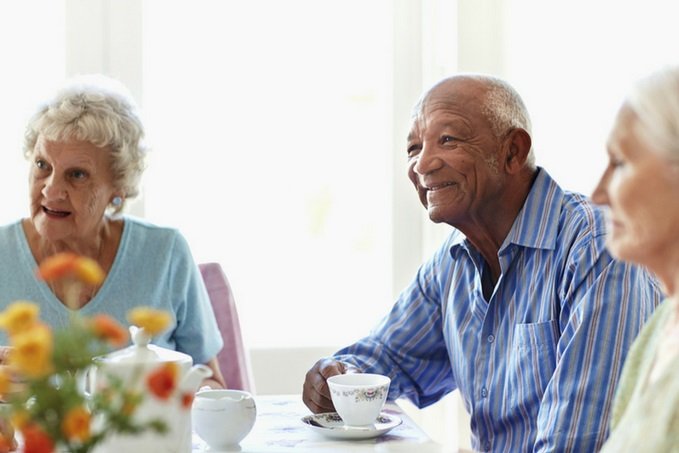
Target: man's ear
x=519, y=143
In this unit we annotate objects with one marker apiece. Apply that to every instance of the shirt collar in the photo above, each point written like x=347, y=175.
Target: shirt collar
x=537, y=223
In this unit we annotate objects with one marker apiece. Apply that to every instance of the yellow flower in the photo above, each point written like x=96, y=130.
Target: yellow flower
x=19, y=316
x=89, y=271
x=32, y=351
x=152, y=321
x=5, y=380
x=19, y=418
x=76, y=424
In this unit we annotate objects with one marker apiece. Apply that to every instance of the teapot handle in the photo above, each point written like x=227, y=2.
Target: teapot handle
x=84, y=381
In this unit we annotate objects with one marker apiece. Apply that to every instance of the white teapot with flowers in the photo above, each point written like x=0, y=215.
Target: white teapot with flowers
x=139, y=398
x=162, y=381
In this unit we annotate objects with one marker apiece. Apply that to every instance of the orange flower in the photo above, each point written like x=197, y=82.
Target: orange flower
x=19, y=316
x=151, y=320
x=76, y=424
x=187, y=400
x=163, y=380
x=68, y=264
x=108, y=328
x=57, y=266
x=32, y=351
x=5, y=444
x=36, y=440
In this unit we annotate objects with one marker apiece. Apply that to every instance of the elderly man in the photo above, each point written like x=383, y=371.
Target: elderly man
x=521, y=308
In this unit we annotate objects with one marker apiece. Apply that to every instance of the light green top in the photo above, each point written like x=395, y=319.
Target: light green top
x=646, y=417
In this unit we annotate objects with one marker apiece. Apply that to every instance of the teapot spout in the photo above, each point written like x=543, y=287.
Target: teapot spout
x=194, y=377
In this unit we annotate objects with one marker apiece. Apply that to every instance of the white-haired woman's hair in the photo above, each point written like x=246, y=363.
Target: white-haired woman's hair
x=505, y=110
x=655, y=100
x=101, y=111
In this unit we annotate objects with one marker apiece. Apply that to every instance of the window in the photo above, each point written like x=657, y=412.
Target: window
x=573, y=63
x=271, y=136
x=33, y=54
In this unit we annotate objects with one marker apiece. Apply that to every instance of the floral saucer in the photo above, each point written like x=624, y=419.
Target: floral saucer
x=330, y=424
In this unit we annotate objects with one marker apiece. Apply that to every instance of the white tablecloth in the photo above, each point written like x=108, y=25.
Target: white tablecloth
x=279, y=429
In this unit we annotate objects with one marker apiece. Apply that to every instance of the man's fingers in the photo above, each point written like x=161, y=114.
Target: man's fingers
x=318, y=403
x=331, y=369
x=316, y=394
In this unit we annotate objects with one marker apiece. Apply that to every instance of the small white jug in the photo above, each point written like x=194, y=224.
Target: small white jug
x=223, y=418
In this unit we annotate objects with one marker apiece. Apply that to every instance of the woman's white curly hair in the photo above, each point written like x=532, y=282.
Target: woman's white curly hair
x=100, y=110
x=655, y=100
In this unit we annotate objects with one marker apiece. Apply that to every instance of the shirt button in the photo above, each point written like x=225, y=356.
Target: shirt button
x=491, y=338
x=484, y=392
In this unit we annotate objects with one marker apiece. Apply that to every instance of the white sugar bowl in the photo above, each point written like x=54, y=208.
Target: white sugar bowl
x=222, y=418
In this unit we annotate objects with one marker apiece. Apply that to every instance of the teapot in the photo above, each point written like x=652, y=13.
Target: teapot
x=132, y=366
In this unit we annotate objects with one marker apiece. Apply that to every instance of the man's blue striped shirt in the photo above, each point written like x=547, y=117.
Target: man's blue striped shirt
x=537, y=364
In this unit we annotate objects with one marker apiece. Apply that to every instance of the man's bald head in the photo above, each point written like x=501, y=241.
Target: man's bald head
x=497, y=101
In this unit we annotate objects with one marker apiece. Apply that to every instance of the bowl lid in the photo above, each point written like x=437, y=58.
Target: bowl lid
x=143, y=352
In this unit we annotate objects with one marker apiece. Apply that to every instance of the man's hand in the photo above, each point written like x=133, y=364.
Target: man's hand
x=316, y=394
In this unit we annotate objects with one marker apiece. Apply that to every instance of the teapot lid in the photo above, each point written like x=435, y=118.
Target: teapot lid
x=143, y=352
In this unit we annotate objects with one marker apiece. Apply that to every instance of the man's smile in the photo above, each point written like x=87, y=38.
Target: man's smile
x=435, y=187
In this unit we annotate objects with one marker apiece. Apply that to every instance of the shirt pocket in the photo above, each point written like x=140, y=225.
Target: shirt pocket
x=530, y=365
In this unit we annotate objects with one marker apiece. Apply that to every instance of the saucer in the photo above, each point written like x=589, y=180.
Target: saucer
x=330, y=424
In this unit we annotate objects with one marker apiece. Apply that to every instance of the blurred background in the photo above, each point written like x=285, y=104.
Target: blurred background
x=277, y=130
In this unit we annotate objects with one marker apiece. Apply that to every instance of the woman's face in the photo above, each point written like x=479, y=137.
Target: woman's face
x=71, y=184
x=641, y=188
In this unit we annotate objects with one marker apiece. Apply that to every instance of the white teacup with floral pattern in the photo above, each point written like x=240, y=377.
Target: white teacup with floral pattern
x=358, y=397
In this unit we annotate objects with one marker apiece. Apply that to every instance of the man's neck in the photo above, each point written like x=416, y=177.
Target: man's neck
x=488, y=233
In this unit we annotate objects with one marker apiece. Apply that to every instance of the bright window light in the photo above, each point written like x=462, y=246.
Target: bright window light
x=32, y=47
x=270, y=128
x=573, y=62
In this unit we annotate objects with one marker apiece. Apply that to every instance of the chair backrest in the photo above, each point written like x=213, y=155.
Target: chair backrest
x=233, y=359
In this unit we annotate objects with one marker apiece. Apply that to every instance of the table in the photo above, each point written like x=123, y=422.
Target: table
x=279, y=429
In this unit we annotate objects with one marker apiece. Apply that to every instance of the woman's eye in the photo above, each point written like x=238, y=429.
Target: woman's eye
x=447, y=138
x=616, y=163
x=41, y=164
x=414, y=149
x=78, y=174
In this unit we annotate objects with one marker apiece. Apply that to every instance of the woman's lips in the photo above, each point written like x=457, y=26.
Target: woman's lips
x=55, y=213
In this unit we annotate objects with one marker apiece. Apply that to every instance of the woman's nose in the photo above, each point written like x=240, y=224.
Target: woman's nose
x=600, y=194
x=54, y=188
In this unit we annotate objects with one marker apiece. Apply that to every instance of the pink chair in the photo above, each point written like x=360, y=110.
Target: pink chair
x=233, y=359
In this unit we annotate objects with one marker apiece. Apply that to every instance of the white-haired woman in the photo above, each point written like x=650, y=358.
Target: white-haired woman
x=641, y=188
x=86, y=154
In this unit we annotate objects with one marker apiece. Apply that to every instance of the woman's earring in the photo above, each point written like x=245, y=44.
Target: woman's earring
x=117, y=201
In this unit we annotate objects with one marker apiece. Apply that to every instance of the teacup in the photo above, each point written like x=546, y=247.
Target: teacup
x=358, y=397
x=222, y=418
